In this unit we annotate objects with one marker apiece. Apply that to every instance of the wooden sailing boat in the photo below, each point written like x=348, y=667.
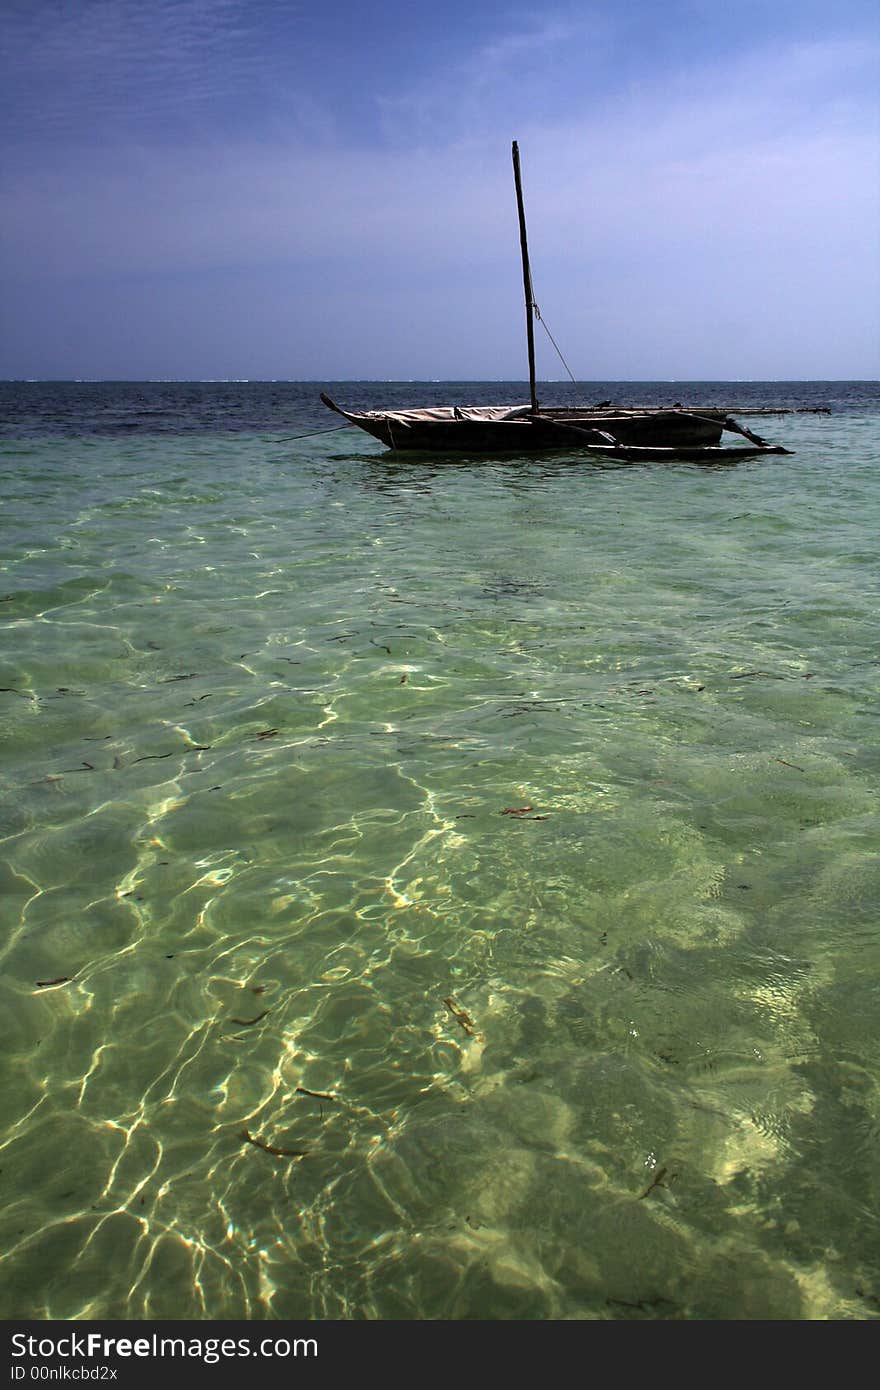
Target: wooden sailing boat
x=627, y=434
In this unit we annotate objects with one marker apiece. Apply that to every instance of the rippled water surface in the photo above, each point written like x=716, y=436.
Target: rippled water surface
x=495, y=843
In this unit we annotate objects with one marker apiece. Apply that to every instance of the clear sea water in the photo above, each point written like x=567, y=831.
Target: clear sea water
x=502, y=836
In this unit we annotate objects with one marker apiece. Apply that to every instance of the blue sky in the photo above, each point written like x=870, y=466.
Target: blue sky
x=275, y=189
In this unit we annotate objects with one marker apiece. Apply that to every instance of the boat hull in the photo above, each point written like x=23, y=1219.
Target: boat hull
x=496, y=430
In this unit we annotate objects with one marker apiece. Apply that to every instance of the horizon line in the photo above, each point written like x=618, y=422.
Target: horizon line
x=419, y=381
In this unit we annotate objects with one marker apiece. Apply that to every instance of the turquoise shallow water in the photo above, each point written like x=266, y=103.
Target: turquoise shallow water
x=503, y=836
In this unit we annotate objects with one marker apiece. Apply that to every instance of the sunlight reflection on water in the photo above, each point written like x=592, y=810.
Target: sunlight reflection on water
x=590, y=755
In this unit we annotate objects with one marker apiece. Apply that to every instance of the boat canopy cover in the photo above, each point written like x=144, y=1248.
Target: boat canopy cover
x=447, y=412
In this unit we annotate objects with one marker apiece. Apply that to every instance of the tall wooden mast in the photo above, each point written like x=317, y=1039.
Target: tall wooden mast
x=527, y=277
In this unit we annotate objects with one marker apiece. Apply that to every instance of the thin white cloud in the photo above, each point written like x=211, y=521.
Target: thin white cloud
x=552, y=62
x=96, y=65
x=663, y=165
x=737, y=205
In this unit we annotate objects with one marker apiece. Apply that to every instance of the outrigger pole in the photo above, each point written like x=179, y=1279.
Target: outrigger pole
x=527, y=277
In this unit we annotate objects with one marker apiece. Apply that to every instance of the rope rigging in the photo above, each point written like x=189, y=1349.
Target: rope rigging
x=287, y=437
x=537, y=312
